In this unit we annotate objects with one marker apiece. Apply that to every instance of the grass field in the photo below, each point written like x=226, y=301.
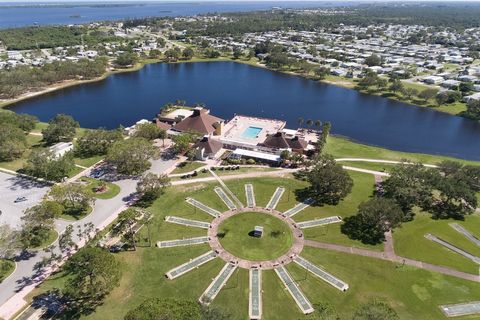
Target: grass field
x=187, y=166
x=413, y=293
x=93, y=184
x=6, y=268
x=344, y=148
x=76, y=216
x=52, y=236
x=276, y=240
x=410, y=241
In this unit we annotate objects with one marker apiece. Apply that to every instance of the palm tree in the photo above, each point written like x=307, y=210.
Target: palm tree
x=179, y=102
x=300, y=121
x=318, y=124
x=309, y=122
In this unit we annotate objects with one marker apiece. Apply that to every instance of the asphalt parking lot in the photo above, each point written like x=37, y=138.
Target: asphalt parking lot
x=13, y=187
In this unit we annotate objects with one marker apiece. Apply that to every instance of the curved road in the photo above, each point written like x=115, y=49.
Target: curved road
x=24, y=279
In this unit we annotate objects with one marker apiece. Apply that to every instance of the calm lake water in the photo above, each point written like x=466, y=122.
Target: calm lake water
x=228, y=88
x=18, y=14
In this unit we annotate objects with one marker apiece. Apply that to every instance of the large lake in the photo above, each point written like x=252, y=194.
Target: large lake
x=228, y=88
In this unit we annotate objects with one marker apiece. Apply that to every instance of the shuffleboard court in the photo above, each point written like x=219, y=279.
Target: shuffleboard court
x=299, y=207
x=190, y=265
x=318, y=222
x=461, y=309
x=297, y=295
x=453, y=248
x=187, y=222
x=272, y=204
x=250, y=195
x=214, y=213
x=322, y=274
x=182, y=242
x=255, y=296
x=466, y=233
x=220, y=280
x=228, y=202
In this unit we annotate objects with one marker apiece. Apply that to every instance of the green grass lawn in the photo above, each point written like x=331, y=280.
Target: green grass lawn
x=87, y=162
x=93, y=184
x=277, y=237
x=410, y=241
x=344, y=148
x=52, y=236
x=265, y=187
x=6, y=268
x=75, y=216
x=413, y=293
x=187, y=166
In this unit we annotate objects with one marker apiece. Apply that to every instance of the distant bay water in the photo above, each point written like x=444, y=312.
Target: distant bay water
x=20, y=14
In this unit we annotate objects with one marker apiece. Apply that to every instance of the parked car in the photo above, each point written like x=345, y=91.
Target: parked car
x=117, y=247
x=20, y=199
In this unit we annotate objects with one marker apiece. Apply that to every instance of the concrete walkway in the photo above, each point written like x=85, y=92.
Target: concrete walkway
x=380, y=161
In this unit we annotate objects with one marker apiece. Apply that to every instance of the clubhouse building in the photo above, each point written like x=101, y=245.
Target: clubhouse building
x=248, y=137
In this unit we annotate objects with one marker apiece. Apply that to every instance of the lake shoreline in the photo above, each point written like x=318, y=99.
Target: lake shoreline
x=6, y=103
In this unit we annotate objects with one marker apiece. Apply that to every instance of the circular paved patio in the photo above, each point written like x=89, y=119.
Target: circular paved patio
x=295, y=249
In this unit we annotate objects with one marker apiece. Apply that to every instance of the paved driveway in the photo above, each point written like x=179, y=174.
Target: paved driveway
x=12, y=187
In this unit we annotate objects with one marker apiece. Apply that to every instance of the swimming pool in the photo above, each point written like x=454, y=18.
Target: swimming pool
x=251, y=132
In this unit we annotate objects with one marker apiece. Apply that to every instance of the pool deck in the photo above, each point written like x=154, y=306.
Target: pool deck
x=235, y=129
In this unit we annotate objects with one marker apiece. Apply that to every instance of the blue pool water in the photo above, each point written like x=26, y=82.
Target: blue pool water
x=251, y=132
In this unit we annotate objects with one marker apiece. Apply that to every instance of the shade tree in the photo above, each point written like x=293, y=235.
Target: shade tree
x=329, y=182
x=13, y=142
x=373, y=218
x=42, y=163
x=92, y=273
x=151, y=186
x=97, y=141
x=131, y=156
x=74, y=197
x=61, y=128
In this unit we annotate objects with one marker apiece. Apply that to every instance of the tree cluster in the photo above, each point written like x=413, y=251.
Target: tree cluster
x=151, y=186
x=97, y=142
x=74, y=198
x=42, y=163
x=174, y=309
x=448, y=191
x=13, y=130
x=23, y=79
x=131, y=156
x=38, y=223
x=329, y=182
x=61, y=128
x=39, y=37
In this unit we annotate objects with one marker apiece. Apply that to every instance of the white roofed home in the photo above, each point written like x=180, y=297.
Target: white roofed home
x=433, y=80
x=472, y=97
x=61, y=148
